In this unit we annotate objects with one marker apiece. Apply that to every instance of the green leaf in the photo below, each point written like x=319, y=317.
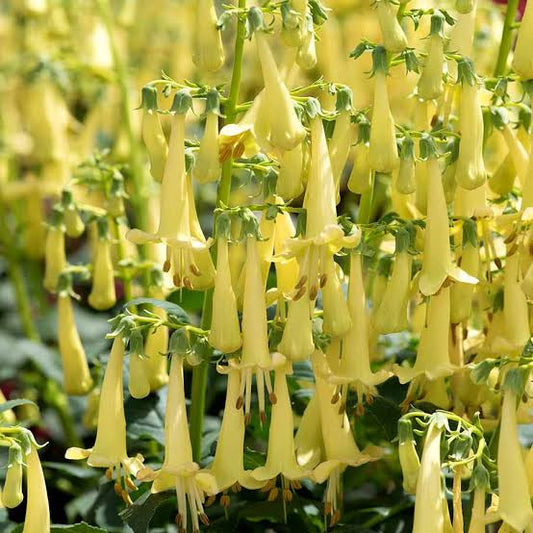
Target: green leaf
x=139, y=515
x=171, y=309
x=480, y=372
x=146, y=417
x=6, y=406
x=81, y=527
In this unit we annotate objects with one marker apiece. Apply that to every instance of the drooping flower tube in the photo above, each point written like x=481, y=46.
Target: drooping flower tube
x=102, y=295
x=55, y=258
x=432, y=359
x=207, y=164
x=74, y=225
x=391, y=316
x=109, y=450
x=383, y=152
x=179, y=471
x=255, y=356
x=339, y=145
x=152, y=133
x=470, y=170
x=430, y=84
x=514, y=504
x=227, y=466
x=408, y=456
x=360, y=179
x=37, y=519
x=208, y=52
x=340, y=448
x=187, y=255
x=394, y=38
x=11, y=496
x=77, y=378
x=428, y=501
x=406, y=178
x=349, y=359
x=225, y=332
x=290, y=177
x=293, y=19
x=286, y=269
x=522, y=58
x=285, y=130
x=281, y=456
x=462, y=293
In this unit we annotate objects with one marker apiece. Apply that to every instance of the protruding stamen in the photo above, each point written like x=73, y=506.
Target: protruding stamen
x=299, y=294
x=238, y=150
x=225, y=500
x=187, y=283
x=323, y=280
x=313, y=292
x=239, y=403
x=195, y=270
x=176, y=280
x=273, y=494
x=301, y=282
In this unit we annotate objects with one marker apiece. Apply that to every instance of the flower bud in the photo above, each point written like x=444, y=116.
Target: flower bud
x=207, y=165
x=394, y=38
x=74, y=225
x=12, y=494
x=225, y=333
x=297, y=341
x=208, y=49
x=103, y=294
x=336, y=314
x=409, y=461
x=77, y=378
x=306, y=56
x=138, y=384
x=430, y=84
x=406, y=178
x=360, y=178
x=152, y=133
x=37, y=519
x=55, y=258
x=522, y=59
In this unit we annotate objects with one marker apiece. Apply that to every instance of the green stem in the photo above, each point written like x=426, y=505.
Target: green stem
x=140, y=189
x=199, y=375
x=507, y=37
x=16, y=277
x=199, y=380
x=365, y=203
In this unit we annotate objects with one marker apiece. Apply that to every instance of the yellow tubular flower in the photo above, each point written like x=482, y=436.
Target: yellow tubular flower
x=77, y=378
x=428, y=501
x=152, y=133
x=109, y=450
x=391, y=316
x=308, y=440
x=432, y=359
x=37, y=518
x=55, y=258
x=430, y=84
x=138, y=385
x=286, y=269
x=225, y=333
x=336, y=315
x=514, y=504
x=103, y=295
x=306, y=56
x=285, y=129
x=293, y=31
x=527, y=185
x=361, y=175
x=11, y=495
x=394, y=38
x=462, y=293
x=8, y=415
x=35, y=235
x=339, y=147
x=207, y=165
x=227, y=466
x=74, y=225
x=208, y=49
x=290, y=184
x=281, y=456
x=477, y=519
x=408, y=456
x=353, y=365
x=383, y=152
x=179, y=471
x=518, y=153
x=470, y=170
x=522, y=59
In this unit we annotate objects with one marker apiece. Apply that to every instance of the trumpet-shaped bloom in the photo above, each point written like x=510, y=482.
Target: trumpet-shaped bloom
x=308, y=440
x=514, y=504
x=207, y=165
x=336, y=319
x=179, y=471
x=109, y=450
x=77, y=378
x=349, y=360
x=409, y=460
x=522, y=59
x=187, y=255
x=286, y=269
x=225, y=333
x=432, y=359
x=430, y=84
x=37, y=519
x=285, y=130
x=152, y=134
x=394, y=38
x=339, y=147
x=281, y=456
x=208, y=49
x=360, y=178
x=290, y=178
x=227, y=466
x=103, y=295
x=428, y=501
x=12, y=495
x=55, y=259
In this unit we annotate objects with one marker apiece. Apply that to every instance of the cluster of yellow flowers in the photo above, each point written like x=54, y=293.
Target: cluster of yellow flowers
x=429, y=140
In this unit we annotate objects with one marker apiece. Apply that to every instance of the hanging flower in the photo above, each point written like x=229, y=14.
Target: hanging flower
x=227, y=466
x=409, y=460
x=187, y=255
x=152, y=133
x=207, y=165
x=77, y=378
x=55, y=258
x=430, y=84
x=37, y=519
x=179, y=471
x=349, y=359
x=429, y=496
x=522, y=60
x=290, y=177
x=514, y=504
x=109, y=450
x=11, y=496
x=103, y=295
x=208, y=49
x=306, y=57
x=394, y=38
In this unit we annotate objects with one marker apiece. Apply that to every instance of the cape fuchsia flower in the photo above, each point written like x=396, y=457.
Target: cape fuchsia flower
x=37, y=519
